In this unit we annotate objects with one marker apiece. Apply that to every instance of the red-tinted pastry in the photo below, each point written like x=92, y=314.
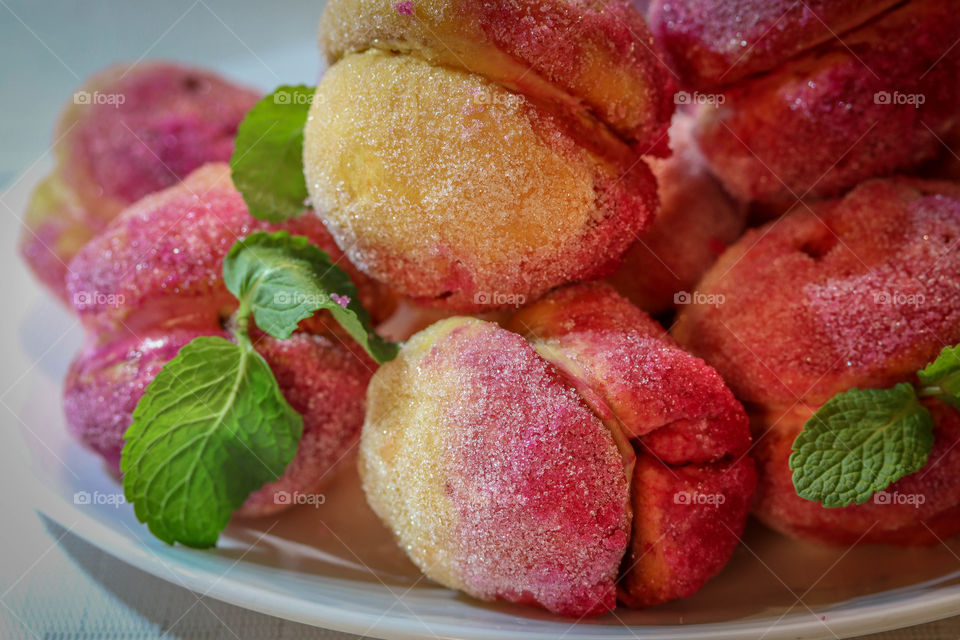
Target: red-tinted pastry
x=504, y=466
x=869, y=105
x=719, y=42
x=160, y=263
x=129, y=131
x=320, y=378
x=860, y=292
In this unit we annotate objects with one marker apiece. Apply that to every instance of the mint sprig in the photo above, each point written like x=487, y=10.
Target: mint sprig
x=863, y=440
x=286, y=279
x=267, y=160
x=213, y=426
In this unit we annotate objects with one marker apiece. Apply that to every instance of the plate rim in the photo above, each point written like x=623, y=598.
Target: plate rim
x=927, y=606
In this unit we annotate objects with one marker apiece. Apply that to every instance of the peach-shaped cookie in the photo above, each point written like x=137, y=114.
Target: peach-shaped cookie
x=453, y=199
x=696, y=222
x=869, y=106
x=129, y=130
x=693, y=480
x=590, y=61
x=159, y=264
x=860, y=292
x=484, y=453
x=322, y=380
x=715, y=42
x=495, y=476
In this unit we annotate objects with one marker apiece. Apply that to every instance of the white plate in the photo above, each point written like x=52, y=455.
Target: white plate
x=335, y=566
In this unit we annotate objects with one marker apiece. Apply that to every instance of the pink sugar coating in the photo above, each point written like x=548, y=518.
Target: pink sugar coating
x=404, y=8
x=160, y=262
x=680, y=416
x=537, y=481
x=693, y=517
x=326, y=383
x=557, y=38
x=321, y=379
x=861, y=293
x=677, y=406
x=164, y=253
x=183, y=115
x=715, y=42
x=689, y=432
x=581, y=308
x=815, y=127
x=171, y=120
x=931, y=516
x=596, y=63
x=104, y=385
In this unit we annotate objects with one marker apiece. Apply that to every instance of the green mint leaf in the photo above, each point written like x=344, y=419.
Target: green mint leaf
x=860, y=442
x=210, y=429
x=942, y=376
x=284, y=279
x=267, y=161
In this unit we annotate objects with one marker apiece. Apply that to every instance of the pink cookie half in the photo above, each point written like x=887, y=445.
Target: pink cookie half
x=690, y=433
x=718, y=42
x=580, y=60
x=136, y=129
x=160, y=263
x=919, y=509
x=870, y=106
x=495, y=476
x=861, y=291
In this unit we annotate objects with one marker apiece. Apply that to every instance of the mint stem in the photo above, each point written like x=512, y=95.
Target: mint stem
x=241, y=330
